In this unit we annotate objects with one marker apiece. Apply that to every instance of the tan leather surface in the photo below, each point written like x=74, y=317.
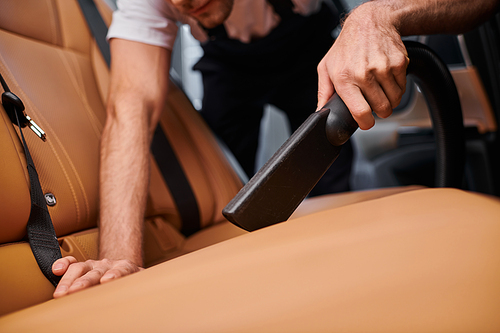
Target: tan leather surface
x=22, y=284
x=49, y=60
x=60, y=98
x=81, y=245
x=100, y=68
x=320, y=203
x=42, y=16
x=45, y=59
x=223, y=180
x=57, y=22
x=68, y=163
x=212, y=235
x=226, y=230
x=402, y=263
x=212, y=179
x=162, y=241
x=14, y=194
x=389, y=266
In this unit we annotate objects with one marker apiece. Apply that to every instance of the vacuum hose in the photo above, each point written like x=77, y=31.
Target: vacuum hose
x=435, y=81
x=440, y=92
x=276, y=190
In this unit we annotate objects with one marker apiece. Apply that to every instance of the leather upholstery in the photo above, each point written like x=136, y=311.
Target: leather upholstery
x=317, y=204
x=420, y=261
x=15, y=196
x=48, y=58
x=383, y=261
x=62, y=98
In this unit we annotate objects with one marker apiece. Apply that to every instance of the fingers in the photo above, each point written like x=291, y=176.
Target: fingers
x=61, y=265
x=358, y=105
x=374, y=88
x=393, y=79
x=82, y=275
x=366, y=66
x=378, y=90
x=123, y=269
x=75, y=278
x=331, y=75
x=325, y=85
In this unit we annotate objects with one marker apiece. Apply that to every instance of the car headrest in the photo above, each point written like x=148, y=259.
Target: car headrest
x=42, y=20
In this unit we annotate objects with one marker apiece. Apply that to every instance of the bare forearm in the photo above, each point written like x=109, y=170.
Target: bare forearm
x=367, y=64
x=425, y=17
x=124, y=180
x=139, y=82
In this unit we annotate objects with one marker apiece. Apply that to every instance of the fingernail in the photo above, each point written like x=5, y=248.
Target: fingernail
x=108, y=276
x=61, y=290
x=58, y=267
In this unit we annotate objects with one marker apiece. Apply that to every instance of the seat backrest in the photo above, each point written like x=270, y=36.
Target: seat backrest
x=50, y=60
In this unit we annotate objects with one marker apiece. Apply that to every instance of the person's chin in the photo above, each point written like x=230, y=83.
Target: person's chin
x=209, y=22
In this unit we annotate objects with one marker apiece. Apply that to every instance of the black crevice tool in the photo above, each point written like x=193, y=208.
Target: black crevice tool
x=276, y=190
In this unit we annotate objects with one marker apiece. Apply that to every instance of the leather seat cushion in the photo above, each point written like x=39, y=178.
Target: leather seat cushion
x=423, y=260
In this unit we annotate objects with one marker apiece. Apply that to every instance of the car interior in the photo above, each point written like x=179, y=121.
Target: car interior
x=395, y=254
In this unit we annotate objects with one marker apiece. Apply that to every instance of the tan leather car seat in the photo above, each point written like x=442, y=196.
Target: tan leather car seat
x=50, y=60
x=421, y=261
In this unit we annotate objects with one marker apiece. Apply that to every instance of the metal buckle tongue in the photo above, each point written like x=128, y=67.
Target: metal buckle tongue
x=13, y=105
x=36, y=129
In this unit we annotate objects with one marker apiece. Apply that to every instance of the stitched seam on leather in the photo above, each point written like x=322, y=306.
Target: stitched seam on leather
x=89, y=253
x=88, y=109
x=45, y=124
x=75, y=74
x=22, y=160
x=54, y=20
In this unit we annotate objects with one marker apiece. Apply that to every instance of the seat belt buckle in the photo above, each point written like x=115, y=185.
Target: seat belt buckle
x=16, y=111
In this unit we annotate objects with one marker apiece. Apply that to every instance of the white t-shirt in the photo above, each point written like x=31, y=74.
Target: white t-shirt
x=155, y=21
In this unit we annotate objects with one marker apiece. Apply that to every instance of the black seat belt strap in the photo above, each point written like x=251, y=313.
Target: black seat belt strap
x=97, y=26
x=177, y=182
x=165, y=157
x=40, y=230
